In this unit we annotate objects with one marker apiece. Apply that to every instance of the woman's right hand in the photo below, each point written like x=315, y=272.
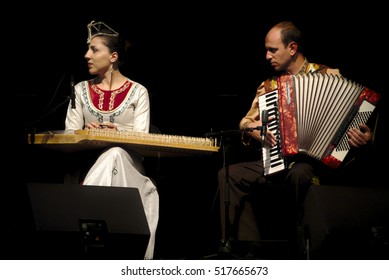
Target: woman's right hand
x=96, y=125
x=92, y=125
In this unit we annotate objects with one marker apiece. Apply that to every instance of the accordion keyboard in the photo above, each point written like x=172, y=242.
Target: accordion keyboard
x=272, y=157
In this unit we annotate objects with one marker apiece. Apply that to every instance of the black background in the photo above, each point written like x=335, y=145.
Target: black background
x=201, y=64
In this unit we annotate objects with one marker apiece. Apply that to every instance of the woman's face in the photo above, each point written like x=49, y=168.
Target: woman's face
x=98, y=56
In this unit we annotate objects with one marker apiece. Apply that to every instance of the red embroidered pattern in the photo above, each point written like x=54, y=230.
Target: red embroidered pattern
x=108, y=98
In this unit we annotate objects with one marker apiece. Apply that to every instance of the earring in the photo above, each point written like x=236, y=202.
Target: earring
x=111, y=74
x=111, y=69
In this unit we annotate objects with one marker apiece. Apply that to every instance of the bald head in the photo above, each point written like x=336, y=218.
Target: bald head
x=282, y=43
x=287, y=33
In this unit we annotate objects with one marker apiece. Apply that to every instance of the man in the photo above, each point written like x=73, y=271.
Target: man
x=284, y=53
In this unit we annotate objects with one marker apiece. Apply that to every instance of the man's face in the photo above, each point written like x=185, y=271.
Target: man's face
x=277, y=54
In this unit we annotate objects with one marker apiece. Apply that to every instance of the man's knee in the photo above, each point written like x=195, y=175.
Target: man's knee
x=300, y=174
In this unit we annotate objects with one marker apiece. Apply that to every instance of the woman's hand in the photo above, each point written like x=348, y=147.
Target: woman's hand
x=96, y=125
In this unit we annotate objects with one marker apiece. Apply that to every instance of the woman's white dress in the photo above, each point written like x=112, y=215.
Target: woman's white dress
x=117, y=166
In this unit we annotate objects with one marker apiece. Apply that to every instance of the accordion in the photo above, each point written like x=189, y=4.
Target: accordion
x=313, y=113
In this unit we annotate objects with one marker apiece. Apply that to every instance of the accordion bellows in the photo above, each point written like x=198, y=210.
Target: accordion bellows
x=313, y=114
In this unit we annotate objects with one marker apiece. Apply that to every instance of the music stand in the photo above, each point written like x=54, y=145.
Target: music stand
x=86, y=222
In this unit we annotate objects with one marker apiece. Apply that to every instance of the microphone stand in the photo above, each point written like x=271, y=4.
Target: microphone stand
x=229, y=132
x=225, y=248
x=32, y=126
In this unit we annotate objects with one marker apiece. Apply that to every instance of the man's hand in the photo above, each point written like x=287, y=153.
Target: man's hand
x=359, y=137
x=270, y=138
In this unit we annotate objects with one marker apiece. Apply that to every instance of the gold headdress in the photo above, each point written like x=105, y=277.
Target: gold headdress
x=99, y=28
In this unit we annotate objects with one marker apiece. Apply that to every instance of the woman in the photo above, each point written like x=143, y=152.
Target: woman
x=114, y=102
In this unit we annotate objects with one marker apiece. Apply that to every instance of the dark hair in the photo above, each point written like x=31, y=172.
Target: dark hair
x=115, y=44
x=290, y=33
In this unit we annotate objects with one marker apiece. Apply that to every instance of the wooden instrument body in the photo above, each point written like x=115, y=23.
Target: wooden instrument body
x=146, y=144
